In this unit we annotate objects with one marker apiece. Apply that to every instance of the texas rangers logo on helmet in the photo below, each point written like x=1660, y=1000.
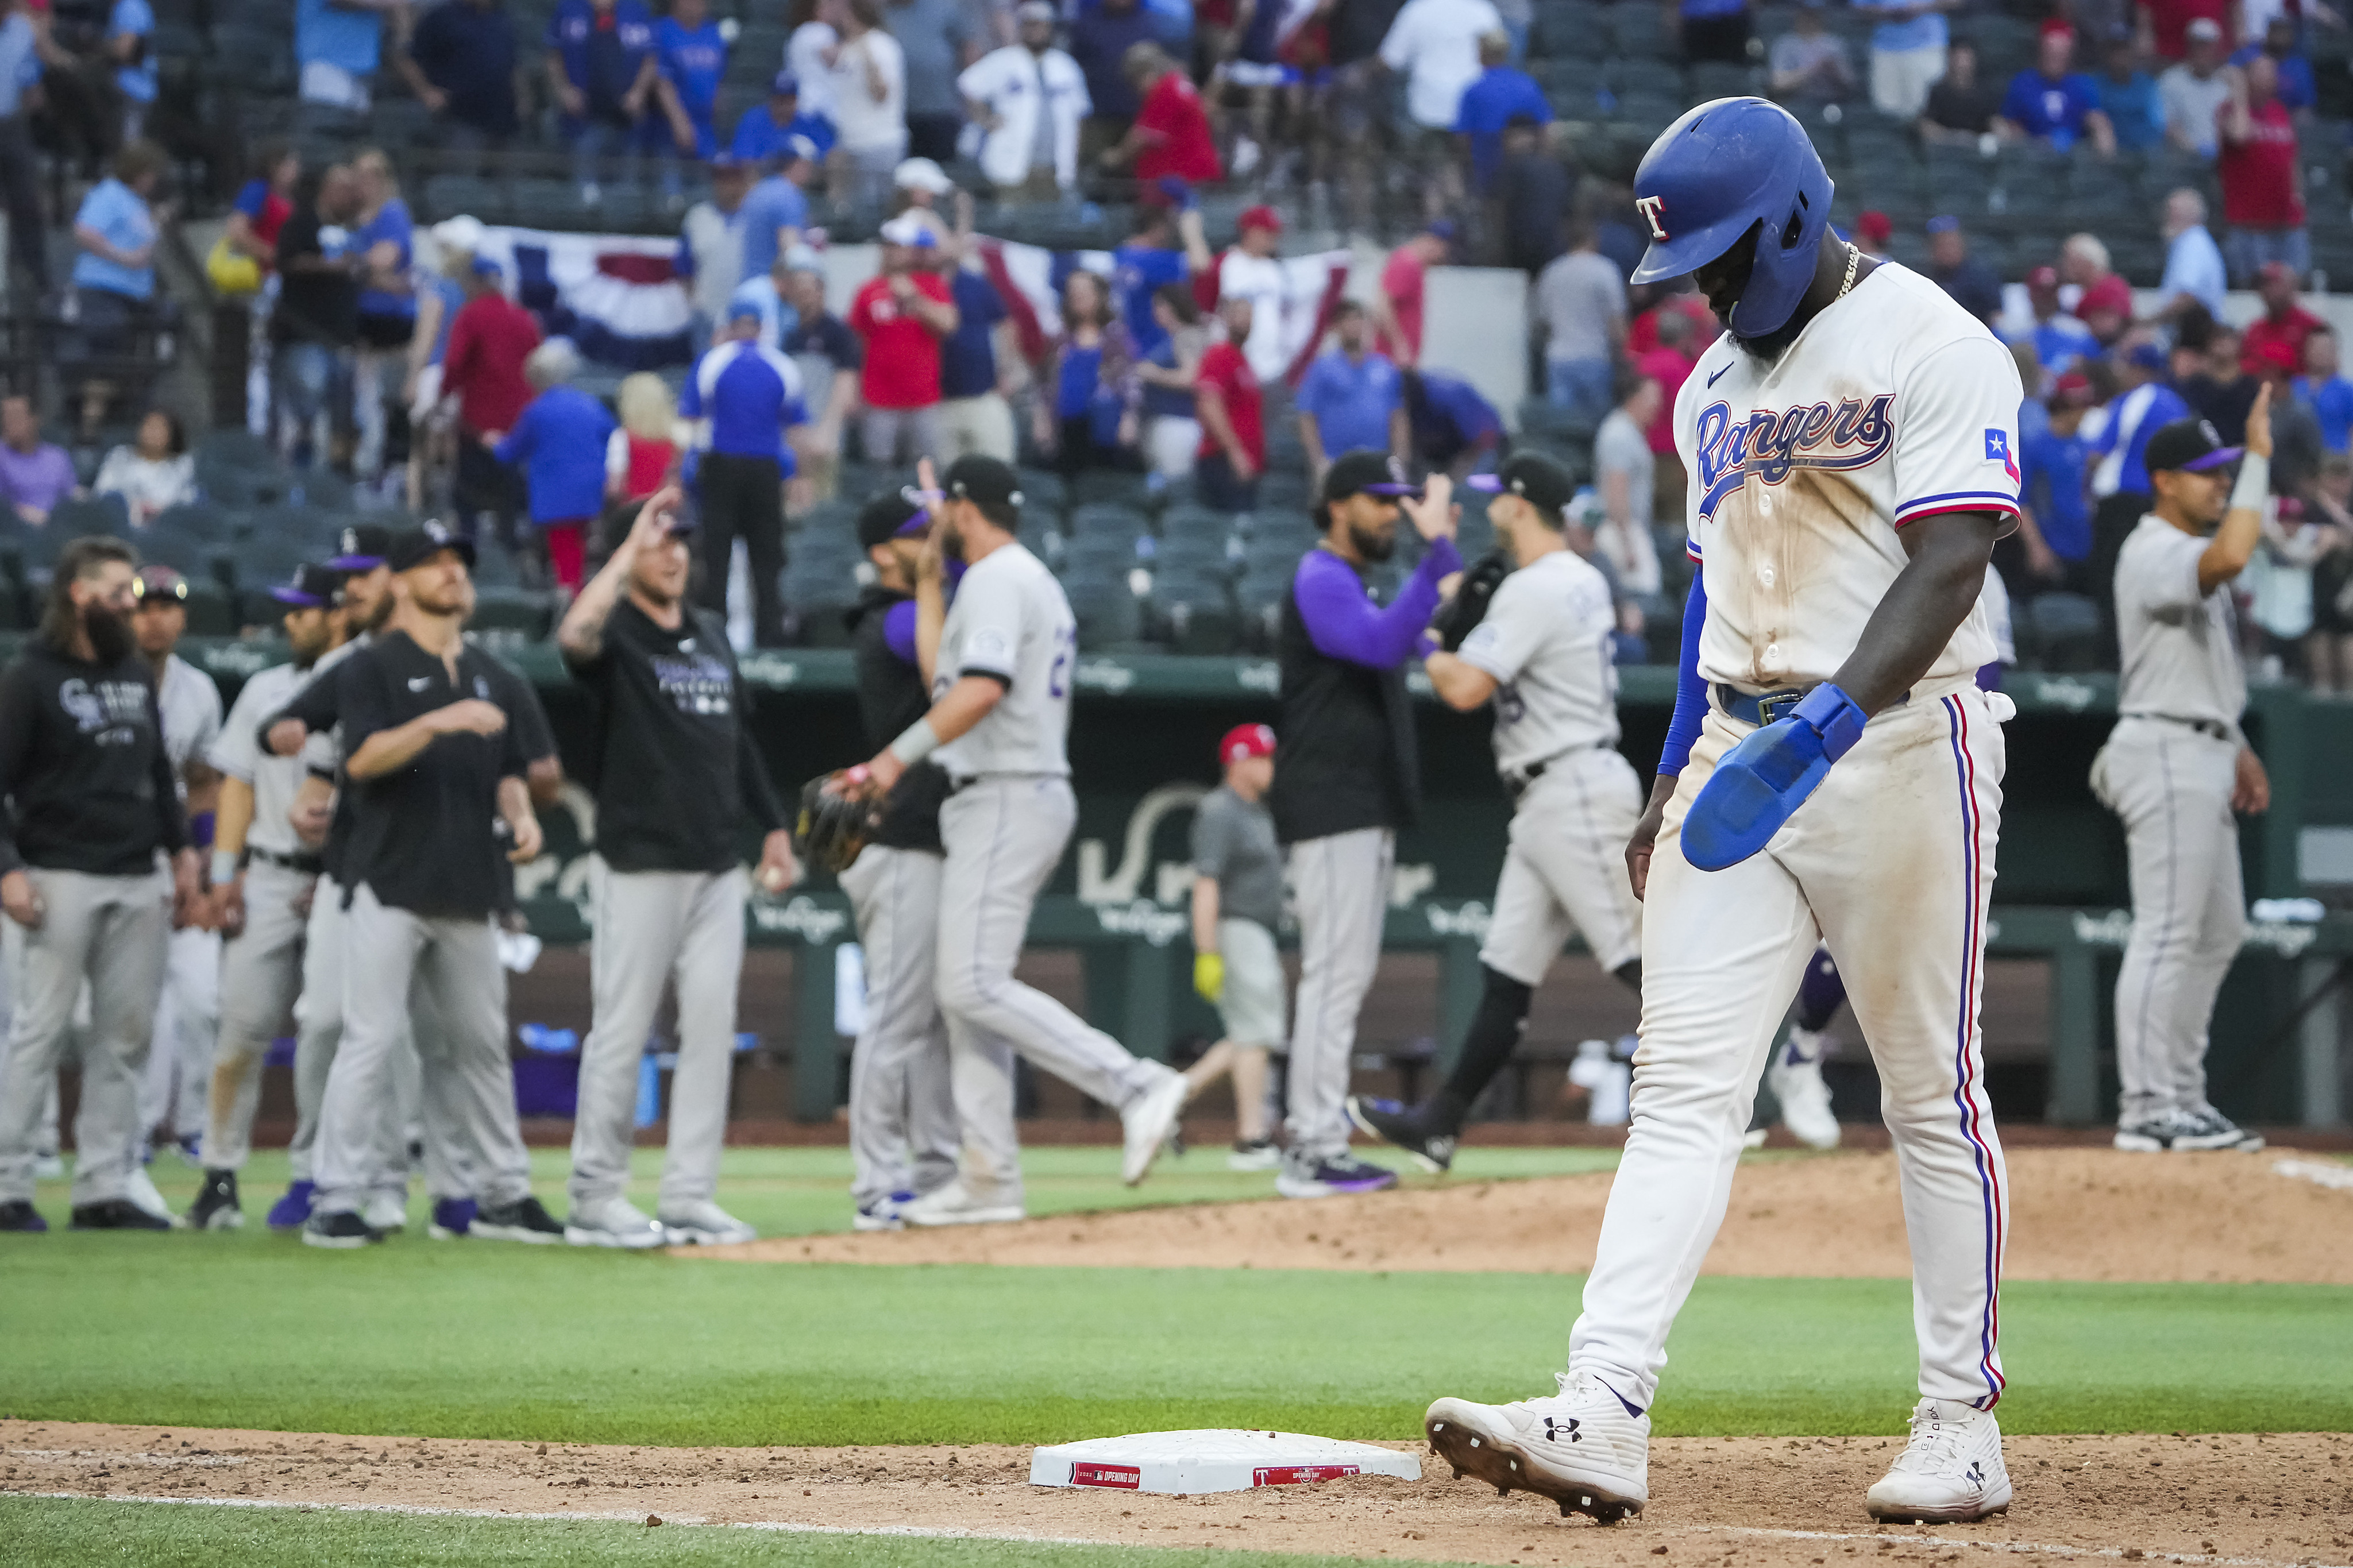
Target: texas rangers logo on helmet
x=1652, y=209
x=1770, y=443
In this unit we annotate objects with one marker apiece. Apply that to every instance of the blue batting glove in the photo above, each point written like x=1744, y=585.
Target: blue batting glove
x=1761, y=781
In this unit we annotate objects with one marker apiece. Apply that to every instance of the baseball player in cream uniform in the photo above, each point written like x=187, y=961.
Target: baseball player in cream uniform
x=1541, y=654
x=1832, y=774
x=2175, y=769
x=1001, y=664
x=262, y=878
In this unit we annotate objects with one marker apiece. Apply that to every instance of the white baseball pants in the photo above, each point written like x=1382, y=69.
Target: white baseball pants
x=262, y=975
x=2172, y=786
x=1565, y=867
x=1892, y=862
x=110, y=931
x=453, y=965
x=653, y=928
x=902, y=1113
x=1341, y=884
x=177, y=1083
x=1005, y=834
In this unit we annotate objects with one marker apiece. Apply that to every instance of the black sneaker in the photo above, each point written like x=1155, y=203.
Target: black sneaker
x=2210, y=1129
x=1408, y=1129
x=21, y=1217
x=522, y=1220
x=117, y=1213
x=215, y=1207
x=344, y=1232
x=2152, y=1135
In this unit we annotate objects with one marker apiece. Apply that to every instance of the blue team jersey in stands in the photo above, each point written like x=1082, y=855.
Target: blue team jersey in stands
x=2331, y=403
x=1489, y=105
x=560, y=440
x=572, y=31
x=353, y=40
x=1138, y=272
x=750, y=395
x=758, y=137
x=2055, y=470
x=2054, y=110
x=693, y=60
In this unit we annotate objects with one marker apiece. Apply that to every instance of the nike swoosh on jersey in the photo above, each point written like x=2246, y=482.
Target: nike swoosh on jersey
x=1718, y=375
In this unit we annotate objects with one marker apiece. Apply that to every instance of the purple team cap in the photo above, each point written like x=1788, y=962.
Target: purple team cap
x=312, y=588
x=1367, y=473
x=2192, y=446
x=361, y=547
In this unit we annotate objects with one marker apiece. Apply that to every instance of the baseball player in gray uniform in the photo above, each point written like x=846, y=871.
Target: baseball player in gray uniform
x=437, y=780
x=998, y=724
x=1541, y=654
x=187, y=1019
x=678, y=777
x=903, y=1120
x=263, y=875
x=2175, y=767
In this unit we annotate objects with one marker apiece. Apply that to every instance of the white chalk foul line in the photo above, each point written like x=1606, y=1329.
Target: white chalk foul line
x=2030, y=1548
x=2316, y=1171
x=932, y=1533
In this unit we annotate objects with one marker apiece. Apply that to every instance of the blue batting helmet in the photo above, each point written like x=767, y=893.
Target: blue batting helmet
x=1724, y=168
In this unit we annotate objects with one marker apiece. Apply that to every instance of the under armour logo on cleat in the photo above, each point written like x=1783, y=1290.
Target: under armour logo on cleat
x=1561, y=1431
x=1976, y=1473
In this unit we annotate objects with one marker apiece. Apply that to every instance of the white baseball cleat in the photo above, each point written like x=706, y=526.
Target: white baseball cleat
x=956, y=1204
x=386, y=1212
x=1795, y=1077
x=1950, y=1473
x=699, y=1222
x=139, y=1189
x=613, y=1222
x=1149, y=1118
x=1583, y=1448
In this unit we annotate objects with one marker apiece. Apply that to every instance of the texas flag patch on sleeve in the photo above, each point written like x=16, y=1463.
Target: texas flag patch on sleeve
x=1997, y=451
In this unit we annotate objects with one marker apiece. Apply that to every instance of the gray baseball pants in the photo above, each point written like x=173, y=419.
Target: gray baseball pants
x=452, y=965
x=2172, y=786
x=653, y=928
x=903, y=1114
x=1565, y=869
x=1005, y=834
x=111, y=931
x=1341, y=882
x=261, y=976
x=318, y=1034
x=173, y=1088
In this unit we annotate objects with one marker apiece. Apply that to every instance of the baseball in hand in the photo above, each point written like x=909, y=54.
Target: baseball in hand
x=773, y=879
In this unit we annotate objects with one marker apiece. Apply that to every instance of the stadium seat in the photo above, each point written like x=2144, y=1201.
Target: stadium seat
x=519, y=612
x=73, y=517
x=2062, y=633
x=1640, y=31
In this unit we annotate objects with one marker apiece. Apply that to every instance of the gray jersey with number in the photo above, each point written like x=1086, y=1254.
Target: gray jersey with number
x=2180, y=646
x=1547, y=642
x=191, y=708
x=275, y=780
x=1010, y=620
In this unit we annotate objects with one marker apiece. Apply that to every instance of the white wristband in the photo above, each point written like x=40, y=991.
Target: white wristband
x=2254, y=486
x=918, y=741
x=223, y=867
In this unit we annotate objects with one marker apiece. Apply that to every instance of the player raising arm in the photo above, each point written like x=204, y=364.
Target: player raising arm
x=1850, y=445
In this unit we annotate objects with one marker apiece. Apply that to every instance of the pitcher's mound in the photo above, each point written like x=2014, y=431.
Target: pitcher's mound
x=2076, y=1214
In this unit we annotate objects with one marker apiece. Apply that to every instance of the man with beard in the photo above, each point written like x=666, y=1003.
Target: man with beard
x=263, y=876
x=902, y=1121
x=1350, y=778
x=999, y=725
x=1852, y=440
x=180, y=1059
x=440, y=799
x=87, y=798
x=677, y=774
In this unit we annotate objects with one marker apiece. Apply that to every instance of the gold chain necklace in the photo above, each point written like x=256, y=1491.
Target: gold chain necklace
x=1853, y=260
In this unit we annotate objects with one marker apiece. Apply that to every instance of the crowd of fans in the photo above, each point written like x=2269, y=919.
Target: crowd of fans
x=412, y=366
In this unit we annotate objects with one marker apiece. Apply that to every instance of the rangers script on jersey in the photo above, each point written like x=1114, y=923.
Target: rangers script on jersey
x=1010, y=620
x=1893, y=404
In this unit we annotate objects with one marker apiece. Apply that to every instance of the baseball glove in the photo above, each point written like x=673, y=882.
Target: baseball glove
x=834, y=823
x=1459, y=615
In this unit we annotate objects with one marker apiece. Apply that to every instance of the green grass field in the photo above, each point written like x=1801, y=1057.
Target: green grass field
x=482, y=1340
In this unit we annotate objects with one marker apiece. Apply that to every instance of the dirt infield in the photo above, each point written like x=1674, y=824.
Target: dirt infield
x=2078, y=1214
x=1770, y=1502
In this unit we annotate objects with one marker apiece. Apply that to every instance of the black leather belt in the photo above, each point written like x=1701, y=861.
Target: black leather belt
x=308, y=865
x=1765, y=708
x=1515, y=784
x=2214, y=729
